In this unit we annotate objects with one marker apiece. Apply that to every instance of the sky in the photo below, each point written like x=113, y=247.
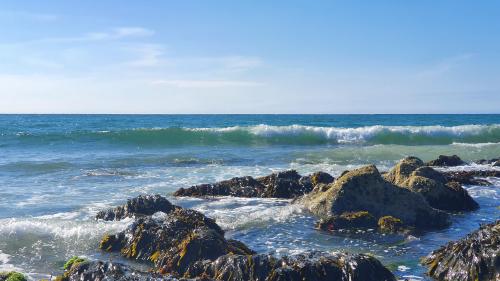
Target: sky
x=249, y=56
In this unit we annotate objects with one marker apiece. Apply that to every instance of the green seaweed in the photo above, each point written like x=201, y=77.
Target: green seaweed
x=72, y=261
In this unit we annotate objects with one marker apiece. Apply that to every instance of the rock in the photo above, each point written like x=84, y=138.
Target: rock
x=174, y=242
x=447, y=161
x=110, y=271
x=475, y=257
x=469, y=177
x=364, y=189
x=310, y=266
x=143, y=205
x=390, y=224
x=496, y=163
x=286, y=184
x=348, y=220
x=440, y=193
x=12, y=276
x=485, y=162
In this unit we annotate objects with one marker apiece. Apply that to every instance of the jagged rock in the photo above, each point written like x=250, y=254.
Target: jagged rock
x=447, y=161
x=110, y=271
x=364, y=189
x=172, y=243
x=440, y=193
x=475, y=257
x=286, y=184
x=469, y=177
x=313, y=266
x=143, y=205
x=348, y=220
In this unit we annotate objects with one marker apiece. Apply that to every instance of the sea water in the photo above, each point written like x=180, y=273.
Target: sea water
x=57, y=171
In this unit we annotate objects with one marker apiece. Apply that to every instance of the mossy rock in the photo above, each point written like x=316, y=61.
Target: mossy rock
x=390, y=224
x=72, y=261
x=12, y=276
x=348, y=220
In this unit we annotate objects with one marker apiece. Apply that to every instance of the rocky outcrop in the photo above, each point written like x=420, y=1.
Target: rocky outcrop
x=438, y=191
x=488, y=161
x=364, y=189
x=111, y=271
x=471, y=177
x=143, y=205
x=447, y=161
x=475, y=257
x=286, y=184
x=172, y=243
x=313, y=266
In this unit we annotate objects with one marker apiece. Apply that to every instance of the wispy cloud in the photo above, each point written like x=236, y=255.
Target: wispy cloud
x=111, y=34
x=444, y=66
x=147, y=55
x=25, y=15
x=207, y=83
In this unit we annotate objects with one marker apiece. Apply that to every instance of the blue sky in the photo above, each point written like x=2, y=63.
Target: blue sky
x=250, y=57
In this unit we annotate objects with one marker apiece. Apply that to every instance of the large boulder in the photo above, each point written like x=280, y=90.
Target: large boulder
x=475, y=257
x=314, y=266
x=174, y=241
x=446, y=161
x=440, y=193
x=286, y=184
x=364, y=189
x=143, y=205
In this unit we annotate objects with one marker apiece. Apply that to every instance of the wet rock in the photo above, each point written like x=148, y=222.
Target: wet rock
x=348, y=220
x=471, y=177
x=391, y=224
x=437, y=190
x=99, y=270
x=489, y=161
x=286, y=184
x=313, y=266
x=364, y=189
x=174, y=242
x=143, y=205
x=447, y=161
x=496, y=163
x=12, y=276
x=475, y=257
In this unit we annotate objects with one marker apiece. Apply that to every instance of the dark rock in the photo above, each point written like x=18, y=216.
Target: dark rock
x=437, y=190
x=110, y=271
x=143, y=205
x=348, y=220
x=174, y=242
x=469, y=177
x=496, y=163
x=364, y=189
x=485, y=162
x=475, y=257
x=313, y=266
x=447, y=161
x=286, y=184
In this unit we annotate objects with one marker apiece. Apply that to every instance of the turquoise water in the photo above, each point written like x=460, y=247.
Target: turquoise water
x=57, y=171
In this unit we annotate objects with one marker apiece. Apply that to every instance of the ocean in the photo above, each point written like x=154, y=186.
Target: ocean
x=57, y=171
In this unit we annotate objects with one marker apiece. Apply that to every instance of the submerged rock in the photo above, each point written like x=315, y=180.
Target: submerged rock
x=12, y=276
x=469, y=177
x=437, y=190
x=313, y=266
x=286, y=184
x=143, y=205
x=488, y=161
x=447, y=161
x=364, y=189
x=174, y=242
x=475, y=257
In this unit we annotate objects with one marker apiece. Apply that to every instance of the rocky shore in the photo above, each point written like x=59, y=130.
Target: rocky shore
x=412, y=197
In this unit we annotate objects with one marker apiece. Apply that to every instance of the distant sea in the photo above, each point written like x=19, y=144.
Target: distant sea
x=57, y=171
